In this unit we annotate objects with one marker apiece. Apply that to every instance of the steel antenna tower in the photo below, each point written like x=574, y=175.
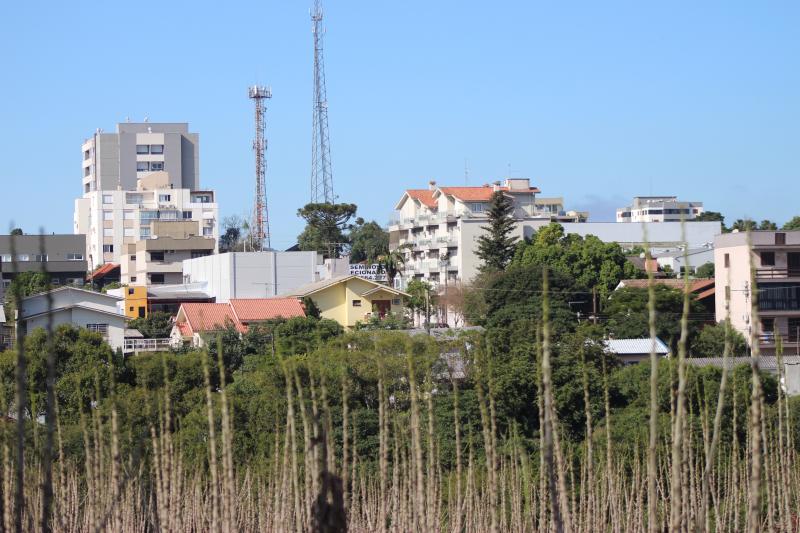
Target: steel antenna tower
x=259, y=229
x=321, y=174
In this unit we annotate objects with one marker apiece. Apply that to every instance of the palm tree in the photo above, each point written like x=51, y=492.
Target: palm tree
x=393, y=262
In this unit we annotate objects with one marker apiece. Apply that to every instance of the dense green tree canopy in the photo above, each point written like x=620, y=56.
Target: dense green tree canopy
x=705, y=271
x=368, y=242
x=591, y=262
x=710, y=342
x=793, y=224
x=156, y=325
x=628, y=317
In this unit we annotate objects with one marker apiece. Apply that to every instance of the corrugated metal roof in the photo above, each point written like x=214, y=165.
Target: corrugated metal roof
x=259, y=309
x=635, y=346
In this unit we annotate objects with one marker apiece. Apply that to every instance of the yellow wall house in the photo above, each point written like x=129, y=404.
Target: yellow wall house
x=351, y=299
x=135, y=301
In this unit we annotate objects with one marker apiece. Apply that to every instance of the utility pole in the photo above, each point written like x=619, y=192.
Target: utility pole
x=594, y=305
x=321, y=174
x=260, y=226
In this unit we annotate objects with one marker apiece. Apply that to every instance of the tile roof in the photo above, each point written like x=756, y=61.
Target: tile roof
x=259, y=309
x=208, y=317
x=480, y=194
x=310, y=288
x=695, y=285
x=101, y=272
x=425, y=196
x=635, y=346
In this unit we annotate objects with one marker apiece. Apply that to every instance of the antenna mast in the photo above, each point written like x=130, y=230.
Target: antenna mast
x=259, y=229
x=321, y=175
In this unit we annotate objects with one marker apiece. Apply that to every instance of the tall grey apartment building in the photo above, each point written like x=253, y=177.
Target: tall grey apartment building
x=117, y=160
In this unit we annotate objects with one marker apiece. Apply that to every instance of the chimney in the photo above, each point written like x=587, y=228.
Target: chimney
x=496, y=186
x=432, y=185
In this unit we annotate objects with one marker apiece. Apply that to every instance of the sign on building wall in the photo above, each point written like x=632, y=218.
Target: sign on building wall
x=374, y=272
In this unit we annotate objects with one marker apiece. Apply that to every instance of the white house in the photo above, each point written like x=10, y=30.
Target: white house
x=94, y=311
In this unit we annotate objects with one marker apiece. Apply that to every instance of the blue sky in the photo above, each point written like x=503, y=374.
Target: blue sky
x=595, y=101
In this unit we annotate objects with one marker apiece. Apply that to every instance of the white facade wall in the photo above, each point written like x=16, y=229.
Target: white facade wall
x=78, y=308
x=118, y=217
x=252, y=274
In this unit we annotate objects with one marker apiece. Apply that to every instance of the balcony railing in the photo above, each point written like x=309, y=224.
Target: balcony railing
x=146, y=345
x=771, y=339
x=777, y=273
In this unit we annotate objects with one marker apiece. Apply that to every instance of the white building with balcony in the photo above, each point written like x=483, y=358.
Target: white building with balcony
x=659, y=209
x=438, y=227
x=775, y=256
x=114, y=219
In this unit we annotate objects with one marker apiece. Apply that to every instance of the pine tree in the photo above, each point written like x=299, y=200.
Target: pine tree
x=496, y=248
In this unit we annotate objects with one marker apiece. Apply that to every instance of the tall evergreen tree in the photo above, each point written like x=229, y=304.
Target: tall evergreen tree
x=496, y=247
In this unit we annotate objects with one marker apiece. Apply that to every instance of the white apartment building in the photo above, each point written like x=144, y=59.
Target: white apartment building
x=113, y=219
x=141, y=174
x=776, y=260
x=659, y=209
x=440, y=226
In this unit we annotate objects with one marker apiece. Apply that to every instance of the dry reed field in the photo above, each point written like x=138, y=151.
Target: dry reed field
x=697, y=470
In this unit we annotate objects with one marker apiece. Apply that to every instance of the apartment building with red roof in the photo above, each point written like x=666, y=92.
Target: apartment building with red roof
x=437, y=227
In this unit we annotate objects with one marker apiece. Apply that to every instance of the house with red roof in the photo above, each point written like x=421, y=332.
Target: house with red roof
x=195, y=319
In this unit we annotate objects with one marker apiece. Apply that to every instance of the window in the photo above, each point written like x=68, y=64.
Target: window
x=108, y=198
x=157, y=278
x=794, y=329
x=128, y=215
x=200, y=253
x=5, y=258
x=156, y=148
x=87, y=154
x=164, y=197
x=108, y=215
x=396, y=301
x=23, y=257
x=108, y=232
x=144, y=233
x=767, y=258
x=187, y=215
x=142, y=149
x=108, y=248
x=133, y=279
x=142, y=166
x=779, y=297
x=74, y=257
x=128, y=232
x=142, y=312
x=767, y=326
x=40, y=258
x=130, y=309
x=727, y=293
x=135, y=199
x=131, y=290
x=356, y=303
x=87, y=171
x=102, y=329
x=55, y=282
x=476, y=207
x=156, y=165
x=727, y=260
x=156, y=256
x=780, y=238
x=208, y=232
x=202, y=199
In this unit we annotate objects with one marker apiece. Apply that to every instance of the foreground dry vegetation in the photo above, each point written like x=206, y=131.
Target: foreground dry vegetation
x=697, y=469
